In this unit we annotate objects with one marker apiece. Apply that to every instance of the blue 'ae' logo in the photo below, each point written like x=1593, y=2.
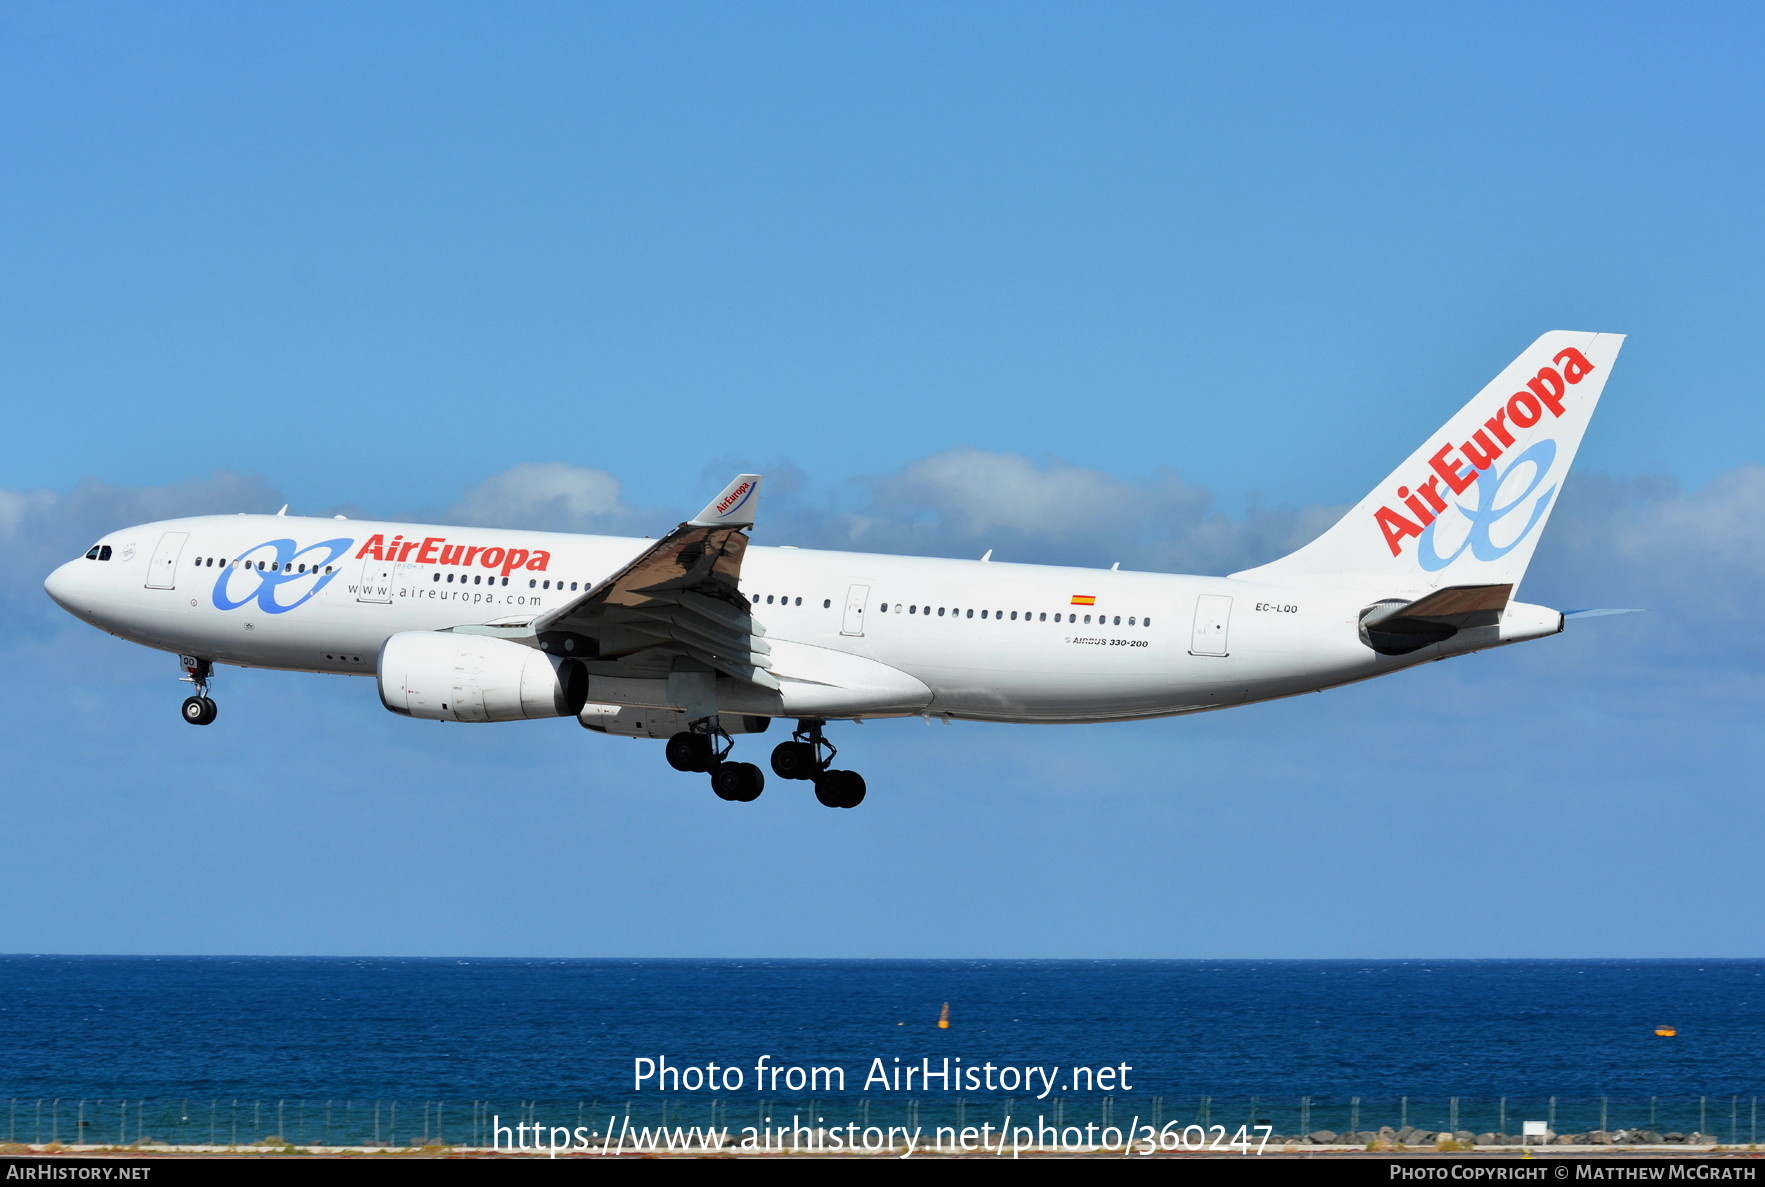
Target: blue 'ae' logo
x=1488, y=511
x=278, y=565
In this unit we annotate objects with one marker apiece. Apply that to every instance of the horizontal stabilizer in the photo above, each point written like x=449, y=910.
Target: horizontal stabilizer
x=1399, y=627
x=1459, y=599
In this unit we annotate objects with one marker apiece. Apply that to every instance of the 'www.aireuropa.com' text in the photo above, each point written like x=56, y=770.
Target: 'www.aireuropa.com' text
x=815, y=1136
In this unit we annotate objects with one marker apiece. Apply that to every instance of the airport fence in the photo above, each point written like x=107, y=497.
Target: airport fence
x=1730, y=1120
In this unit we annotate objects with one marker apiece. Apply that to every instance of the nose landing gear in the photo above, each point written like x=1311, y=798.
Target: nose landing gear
x=199, y=709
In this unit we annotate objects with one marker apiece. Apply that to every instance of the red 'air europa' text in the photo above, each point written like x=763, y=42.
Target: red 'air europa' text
x=734, y=497
x=435, y=550
x=1457, y=466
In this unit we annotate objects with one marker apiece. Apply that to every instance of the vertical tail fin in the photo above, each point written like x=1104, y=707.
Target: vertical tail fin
x=1468, y=506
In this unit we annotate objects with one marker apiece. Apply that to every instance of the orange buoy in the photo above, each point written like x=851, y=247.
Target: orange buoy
x=1665, y=1032
x=944, y=1017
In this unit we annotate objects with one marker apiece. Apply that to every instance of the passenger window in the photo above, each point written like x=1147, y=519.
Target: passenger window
x=1043, y=617
x=1014, y=616
x=885, y=606
x=827, y=603
x=756, y=599
x=1087, y=620
x=913, y=609
x=1118, y=620
x=799, y=601
x=769, y=599
x=940, y=612
x=1145, y=622
x=1130, y=620
x=438, y=576
x=968, y=614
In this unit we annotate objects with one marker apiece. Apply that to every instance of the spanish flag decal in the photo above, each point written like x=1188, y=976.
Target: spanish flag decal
x=1084, y=600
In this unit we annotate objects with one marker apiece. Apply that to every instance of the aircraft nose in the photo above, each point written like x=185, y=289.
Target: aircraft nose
x=63, y=585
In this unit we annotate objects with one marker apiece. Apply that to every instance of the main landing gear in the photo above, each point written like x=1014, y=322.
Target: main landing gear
x=199, y=709
x=802, y=758
x=704, y=746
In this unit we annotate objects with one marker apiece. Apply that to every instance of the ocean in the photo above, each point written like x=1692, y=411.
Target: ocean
x=1298, y=1044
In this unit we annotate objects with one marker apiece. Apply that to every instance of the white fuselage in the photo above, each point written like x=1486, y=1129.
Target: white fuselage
x=968, y=639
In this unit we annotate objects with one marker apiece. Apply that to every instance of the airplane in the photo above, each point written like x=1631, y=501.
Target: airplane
x=699, y=637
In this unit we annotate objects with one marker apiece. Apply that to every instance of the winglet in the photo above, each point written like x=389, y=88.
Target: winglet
x=734, y=508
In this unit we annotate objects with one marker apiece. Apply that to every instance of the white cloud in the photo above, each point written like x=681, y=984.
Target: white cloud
x=41, y=529
x=545, y=496
x=1692, y=559
x=975, y=491
x=963, y=502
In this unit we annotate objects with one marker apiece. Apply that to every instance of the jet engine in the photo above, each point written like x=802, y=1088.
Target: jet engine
x=444, y=676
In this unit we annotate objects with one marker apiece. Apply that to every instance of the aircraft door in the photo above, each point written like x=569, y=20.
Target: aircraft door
x=1213, y=614
x=162, y=571
x=376, y=581
x=856, y=599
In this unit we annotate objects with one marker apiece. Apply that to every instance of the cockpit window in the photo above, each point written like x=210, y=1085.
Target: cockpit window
x=99, y=552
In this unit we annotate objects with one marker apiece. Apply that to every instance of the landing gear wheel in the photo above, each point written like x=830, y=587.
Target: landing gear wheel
x=199, y=710
x=840, y=789
x=738, y=781
x=691, y=752
x=795, y=760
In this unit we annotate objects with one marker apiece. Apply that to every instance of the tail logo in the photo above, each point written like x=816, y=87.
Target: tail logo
x=1472, y=464
x=1490, y=510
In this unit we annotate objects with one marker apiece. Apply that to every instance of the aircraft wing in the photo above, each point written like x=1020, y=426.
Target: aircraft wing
x=680, y=598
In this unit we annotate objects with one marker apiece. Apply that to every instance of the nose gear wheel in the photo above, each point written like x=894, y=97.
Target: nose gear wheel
x=199, y=709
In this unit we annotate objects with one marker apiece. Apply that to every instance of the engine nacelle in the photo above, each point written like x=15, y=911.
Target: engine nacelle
x=630, y=722
x=443, y=676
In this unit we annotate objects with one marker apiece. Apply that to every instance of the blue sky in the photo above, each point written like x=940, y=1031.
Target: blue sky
x=1160, y=284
